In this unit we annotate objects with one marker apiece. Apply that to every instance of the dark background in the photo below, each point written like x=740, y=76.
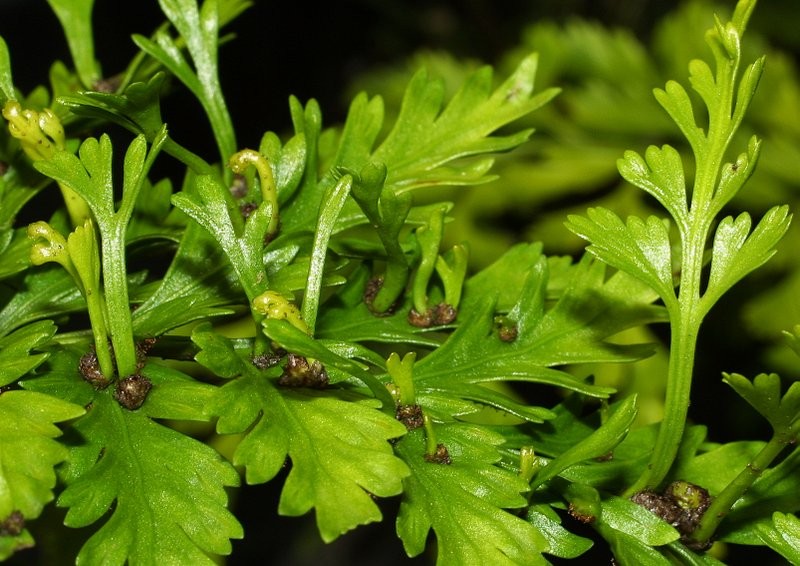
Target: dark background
x=286, y=48
x=314, y=51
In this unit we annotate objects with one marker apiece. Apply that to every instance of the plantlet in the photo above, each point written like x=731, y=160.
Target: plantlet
x=292, y=312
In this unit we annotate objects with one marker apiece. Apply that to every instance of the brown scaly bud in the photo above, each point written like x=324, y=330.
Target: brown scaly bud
x=439, y=315
x=89, y=368
x=12, y=525
x=266, y=361
x=410, y=415
x=132, y=391
x=298, y=372
x=440, y=456
x=373, y=286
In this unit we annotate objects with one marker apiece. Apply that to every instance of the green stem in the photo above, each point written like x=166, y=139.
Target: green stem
x=676, y=406
x=188, y=158
x=402, y=374
x=688, y=313
x=115, y=283
x=332, y=205
x=723, y=502
x=528, y=463
x=431, y=443
x=429, y=238
x=395, y=278
x=97, y=318
x=261, y=344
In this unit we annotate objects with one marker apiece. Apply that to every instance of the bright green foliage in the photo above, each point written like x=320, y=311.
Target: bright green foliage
x=166, y=489
x=15, y=357
x=28, y=451
x=463, y=502
x=626, y=517
x=306, y=306
x=337, y=443
x=199, y=29
x=76, y=20
x=474, y=105
x=571, y=331
x=601, y=442
x=49, y=293
x=764, y=394
x=630, y=532
x=90, y=176
x=6, y=84
x=783, y=534
x=212, y=208
x=199, y=285
x=560, y=542
x=643, y=249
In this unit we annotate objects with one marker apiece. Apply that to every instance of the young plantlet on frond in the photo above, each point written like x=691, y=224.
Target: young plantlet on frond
x=451, y=268
x=427, y=146
x=90, y=177
x=782, y=411
x=212, y=206
x=643, y=248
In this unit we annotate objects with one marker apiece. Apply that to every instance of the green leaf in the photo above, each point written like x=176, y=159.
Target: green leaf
x=167, y=490
x=678, y=105
x=91, y=177
x=571, y=331
x=28, y=451
x=76, y=20
x=425, y=138
x=211, y=206
x=288, y=162
x=138, y=110
x=628, y=549
x=332, y=205
x=9, y=544
x=14, y=243
x=597, y=444
x=783, y=536
x=306, y=201
x=199, y=28
x=464, y=502
x=15, y=357
x=717, y=467
x=640, y=249
x=337, y=443
x=88, y=174
x=734, y=175
x=176, y=395
x=44, y=293
x=560, y=542
x=6, y=84
x=764, y=394
x=513, y=268
x=217, y=352
x=296, y=341
x=689, y=558
x=59, y=378
x=634, y=520
x=199, y=284
x=737, y=251
x=660, y=174
x=359, y=324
